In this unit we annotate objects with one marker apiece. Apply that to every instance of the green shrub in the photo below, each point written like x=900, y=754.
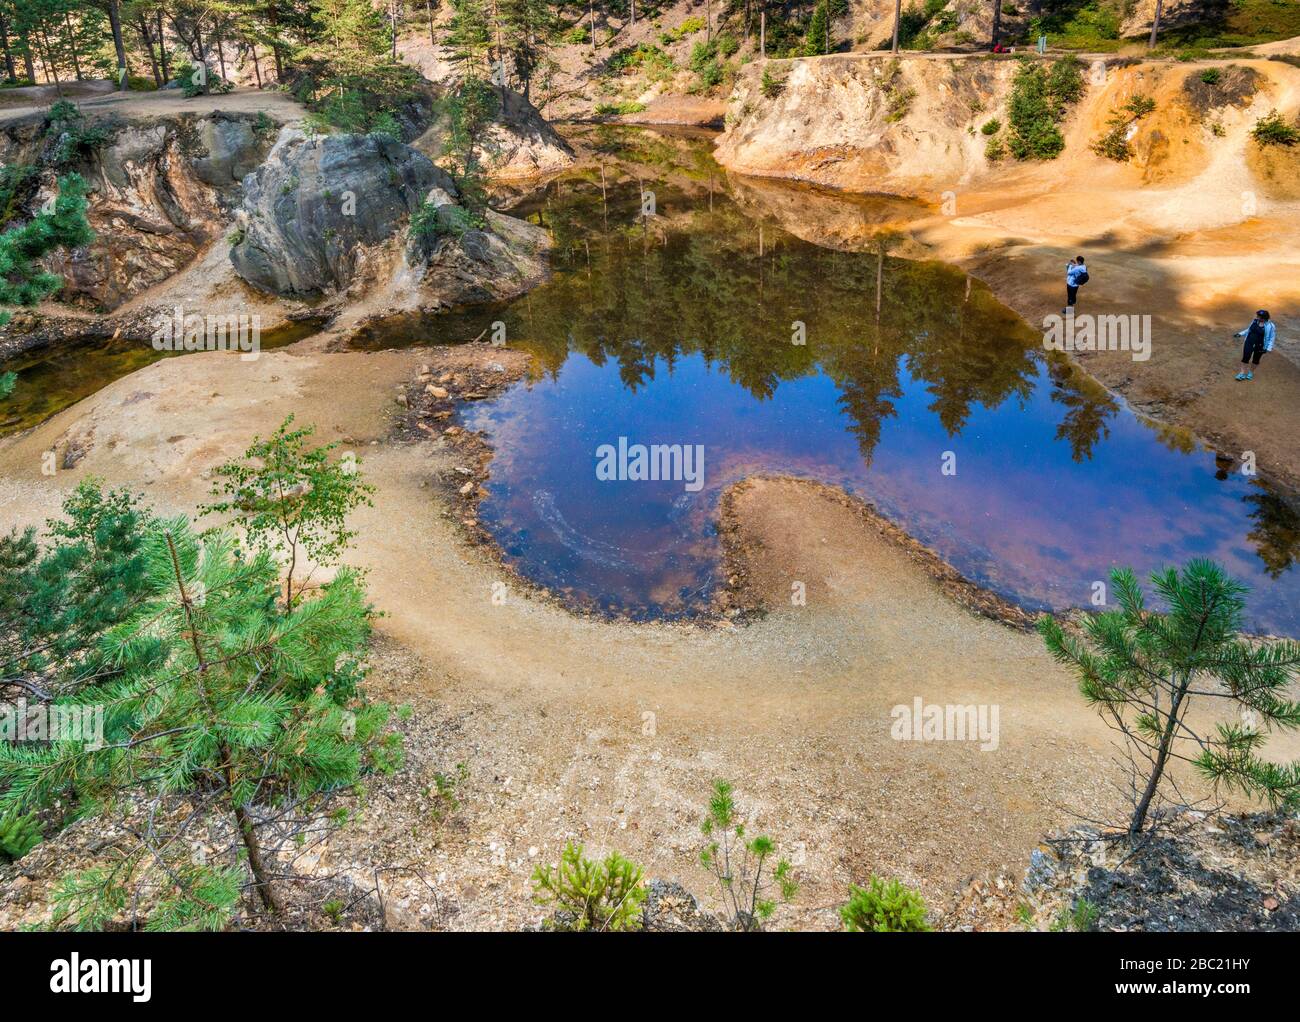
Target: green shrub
x=589, y=895
x=705, y=63
x=644, y=55
x=19, y=834
x=1065, y=82
x=1272, y=129
x=1114, y=145
x=216, y=703
x=1211, y=76
x=688, y=27
x=199, y=80
x=737, y=862
x=884, y=907
x=624, y=107
x=1039, y=99
x=1081, y=917
x=992, y=127
x=578, y=35
x=995, y=149
x=355, y=112
x=1140, y=105
x=76, y=139
x=771, y=86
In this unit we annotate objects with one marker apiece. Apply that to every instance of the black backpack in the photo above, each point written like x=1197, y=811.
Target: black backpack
x=1082, y=278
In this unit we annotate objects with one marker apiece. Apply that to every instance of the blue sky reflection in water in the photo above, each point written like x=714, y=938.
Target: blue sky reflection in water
x=679, y=332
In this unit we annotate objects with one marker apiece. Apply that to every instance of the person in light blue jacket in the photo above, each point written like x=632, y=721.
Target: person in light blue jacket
x=1076, y=273
x=1259, y=336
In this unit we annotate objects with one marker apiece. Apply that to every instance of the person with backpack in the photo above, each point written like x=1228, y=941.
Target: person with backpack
x=1076, y=274
x=1259, y=336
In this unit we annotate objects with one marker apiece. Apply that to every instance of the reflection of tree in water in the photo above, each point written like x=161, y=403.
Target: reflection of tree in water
x=692, y=281
x=1087, y=407
x=1276, y=532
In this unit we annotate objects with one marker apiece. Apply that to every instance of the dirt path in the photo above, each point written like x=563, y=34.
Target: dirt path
x=98, y=98
x=612, y=733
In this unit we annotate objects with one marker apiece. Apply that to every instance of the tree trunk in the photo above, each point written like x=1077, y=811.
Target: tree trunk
x=246, y=830
x=433, y=39
x=898, y=14
x=162, y=47
x=145, y=34
x=1155, y=23
x=257, y=68
x=762, y=31
x=10, y=75
x=27, y=57
x=997, y=21
x=47, y=58
x=115, y=23
x=1162, y=757
x=273, y=17
x=72, y=44
x=203, y=54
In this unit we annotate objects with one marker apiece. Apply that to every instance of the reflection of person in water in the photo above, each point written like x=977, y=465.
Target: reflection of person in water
x=1259, y=338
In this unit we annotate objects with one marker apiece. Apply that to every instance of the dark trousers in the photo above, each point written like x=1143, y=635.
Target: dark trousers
x=1253, y=350
x=1071, y=293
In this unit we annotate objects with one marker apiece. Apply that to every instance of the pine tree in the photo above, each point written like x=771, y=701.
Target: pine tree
x=353, y=42
x=468, y=37
x=1143, y=670
x=64, y=225
x=220, y=707
x=819, y=30
x=56, y=602
x=527, y=28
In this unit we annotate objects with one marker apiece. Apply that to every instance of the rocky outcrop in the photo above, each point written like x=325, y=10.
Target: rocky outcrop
x=317, y=201
x=868, y=124
x=158, y=193
x=521, y=144
x=517, y=146
x=331, y=217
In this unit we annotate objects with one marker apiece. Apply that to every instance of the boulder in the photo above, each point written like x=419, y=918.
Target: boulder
x=232, y=150
x=316, y=200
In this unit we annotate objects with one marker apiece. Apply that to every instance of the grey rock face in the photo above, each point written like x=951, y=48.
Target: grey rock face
x=232, y=149
x=315, y=200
